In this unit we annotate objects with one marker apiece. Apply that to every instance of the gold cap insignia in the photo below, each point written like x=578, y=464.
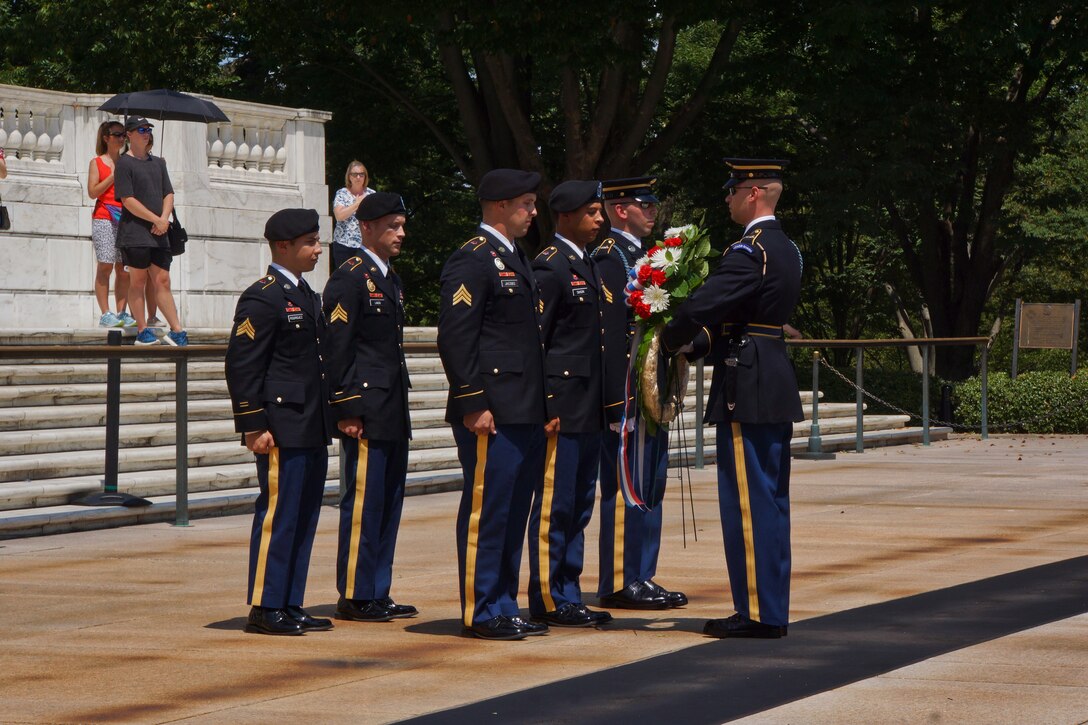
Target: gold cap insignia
x=339, y=313
x=462, y=295
x=245, y=329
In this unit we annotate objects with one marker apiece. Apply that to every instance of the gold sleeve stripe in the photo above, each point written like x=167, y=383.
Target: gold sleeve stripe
x=249, y=412
x=344, y=400
x=468, y=395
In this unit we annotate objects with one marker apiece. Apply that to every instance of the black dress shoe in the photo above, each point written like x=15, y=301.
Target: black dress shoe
x=496, y=628
x=399, y=611
x=634, y=596
x=596, y=617
x=530, y=628
x=362, y=610
x=309, y=624
x=568, y=615
x=271, y=621
x=675, y=599
x=740, y=626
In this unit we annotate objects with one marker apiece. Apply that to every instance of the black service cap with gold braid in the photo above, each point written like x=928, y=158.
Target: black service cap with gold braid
x=742, y=169
x=637, y=188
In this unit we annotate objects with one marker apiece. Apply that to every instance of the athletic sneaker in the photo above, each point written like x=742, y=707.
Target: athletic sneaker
x=177, y=339
x=108, y=319
x=147, y=337
x=127, y=319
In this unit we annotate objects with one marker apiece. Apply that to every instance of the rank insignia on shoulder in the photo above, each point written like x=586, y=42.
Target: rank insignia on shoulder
x=266, y=281
x=605, y=247
x=462, y=295
x=339, y=313
x=245, y=329
x=547, y=253
x=474, y=243
x=540, y=307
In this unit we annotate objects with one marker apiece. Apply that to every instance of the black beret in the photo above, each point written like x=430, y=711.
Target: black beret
x=741, y=169
x=287, y=224
x=133, y=122
x=500, y=184
x=376, y=205
x=571, y=195
x=635, y=189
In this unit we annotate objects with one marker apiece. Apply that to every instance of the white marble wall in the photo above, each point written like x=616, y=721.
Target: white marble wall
x=47, y=260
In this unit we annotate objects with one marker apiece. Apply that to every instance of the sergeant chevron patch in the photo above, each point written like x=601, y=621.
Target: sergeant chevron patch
x=339, y=313
x=245, y=329
x=607, y=294
x=462, y=295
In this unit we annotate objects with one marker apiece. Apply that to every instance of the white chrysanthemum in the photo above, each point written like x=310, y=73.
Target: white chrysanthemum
x=666, y=258
x=640, y=261
x=656, y=298
x=677, y=231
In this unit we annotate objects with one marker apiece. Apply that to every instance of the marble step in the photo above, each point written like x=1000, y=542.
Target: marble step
x=97, y=335
x=32, y=509
x=83, y=393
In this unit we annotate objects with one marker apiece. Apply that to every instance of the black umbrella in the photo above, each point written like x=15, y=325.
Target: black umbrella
x=164, y=105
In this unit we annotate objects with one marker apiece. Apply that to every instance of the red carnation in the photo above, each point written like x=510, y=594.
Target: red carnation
x=642, y=310
x=653, y=250
x=635, y=298
x=673, y=242
x=658, y=277
x=644, y=274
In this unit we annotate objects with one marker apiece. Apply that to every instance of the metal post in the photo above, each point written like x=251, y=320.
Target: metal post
x=1016, y=338
x=1076, y=334
x=113, y=412
x=181, y=424
x=699, y=372
x=985, y=391
x=925, y=395
x=815, y=444
x=859, y=444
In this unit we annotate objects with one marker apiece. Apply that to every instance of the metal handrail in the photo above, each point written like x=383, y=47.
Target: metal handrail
x=925, y=343
x=181, y=356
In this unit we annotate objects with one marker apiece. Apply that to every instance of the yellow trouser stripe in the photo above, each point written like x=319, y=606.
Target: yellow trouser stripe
x=544, y=556
x=266, y=525
x=618, y=530
x=474, y=528
x=746, y=522
x=357, y=516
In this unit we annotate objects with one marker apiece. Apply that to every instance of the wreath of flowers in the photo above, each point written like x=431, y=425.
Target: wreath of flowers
x=659, y=281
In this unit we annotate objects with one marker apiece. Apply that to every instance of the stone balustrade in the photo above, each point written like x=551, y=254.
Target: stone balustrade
x=228, y=178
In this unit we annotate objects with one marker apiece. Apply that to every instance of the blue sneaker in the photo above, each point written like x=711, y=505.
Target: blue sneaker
x=108, y=319
x=127, y=320
x=147, y=337
x=177, y=339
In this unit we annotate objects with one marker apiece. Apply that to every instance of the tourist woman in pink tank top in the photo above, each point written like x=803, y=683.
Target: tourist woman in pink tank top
x=104, y=220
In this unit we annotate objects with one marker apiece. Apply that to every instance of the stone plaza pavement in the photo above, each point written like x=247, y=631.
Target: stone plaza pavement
x=946, y=584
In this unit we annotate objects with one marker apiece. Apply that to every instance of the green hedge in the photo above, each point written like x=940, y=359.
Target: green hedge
x=1036, y=402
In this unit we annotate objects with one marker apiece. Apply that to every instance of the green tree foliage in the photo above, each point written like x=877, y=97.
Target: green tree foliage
x=114, y=45
x=928, y=111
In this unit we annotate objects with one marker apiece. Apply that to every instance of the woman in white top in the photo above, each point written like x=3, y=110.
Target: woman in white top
x=347, y=239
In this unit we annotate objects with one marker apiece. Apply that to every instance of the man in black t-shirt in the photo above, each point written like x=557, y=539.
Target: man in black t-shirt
x=143, y=185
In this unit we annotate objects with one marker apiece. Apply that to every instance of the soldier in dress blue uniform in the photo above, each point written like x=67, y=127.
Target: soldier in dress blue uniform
x=364, y=306
x=736, y=319
x=571, y=301
x=276, y=379
x=489, y=339
x=630, y=539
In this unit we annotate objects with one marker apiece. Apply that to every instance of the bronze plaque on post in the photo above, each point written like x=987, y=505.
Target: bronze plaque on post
x=1047, y=326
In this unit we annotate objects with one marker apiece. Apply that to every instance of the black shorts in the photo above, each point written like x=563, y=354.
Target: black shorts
x=144, y=257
